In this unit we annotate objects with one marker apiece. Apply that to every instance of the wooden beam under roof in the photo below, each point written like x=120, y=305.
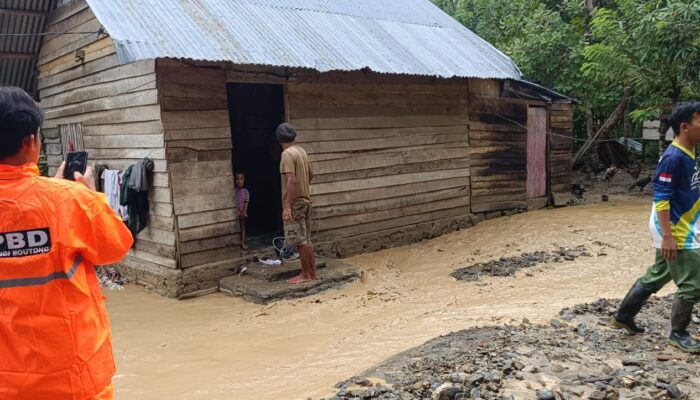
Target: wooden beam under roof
x=28, y=13
x=19, y=56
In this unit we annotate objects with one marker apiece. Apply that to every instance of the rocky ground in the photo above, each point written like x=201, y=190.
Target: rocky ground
x=508, y=266
x=576, y=356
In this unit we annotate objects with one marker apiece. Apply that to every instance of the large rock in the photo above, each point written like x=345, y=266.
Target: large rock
x=446, y=391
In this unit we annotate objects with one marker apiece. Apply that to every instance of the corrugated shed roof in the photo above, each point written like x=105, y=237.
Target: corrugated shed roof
x=386, y=36
x=21, y=24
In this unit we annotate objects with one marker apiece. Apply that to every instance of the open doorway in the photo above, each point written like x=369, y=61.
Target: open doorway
x=255, y=110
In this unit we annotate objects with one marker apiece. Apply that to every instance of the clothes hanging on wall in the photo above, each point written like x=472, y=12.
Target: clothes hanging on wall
x=139, y=176
x=99, y=169
x=134, y=194
x=111, y=188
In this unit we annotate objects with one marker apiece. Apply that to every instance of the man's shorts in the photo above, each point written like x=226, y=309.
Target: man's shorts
x=298, y=230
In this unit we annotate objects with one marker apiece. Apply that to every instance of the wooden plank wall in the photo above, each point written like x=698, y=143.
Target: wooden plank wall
x=118, y=108
x=498, y=142
x=561, y=123
x=198, y=147
x=387, y=152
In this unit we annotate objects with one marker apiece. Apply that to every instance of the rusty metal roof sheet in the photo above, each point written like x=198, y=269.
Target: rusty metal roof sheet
x=387, y=36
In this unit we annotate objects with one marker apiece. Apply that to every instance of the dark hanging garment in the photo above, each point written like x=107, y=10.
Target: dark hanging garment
x=134, y=195
x=99, y=169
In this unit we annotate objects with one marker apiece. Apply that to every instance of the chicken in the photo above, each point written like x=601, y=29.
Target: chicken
x=610, y=173
x=641, y=184
x=577, y=189
x=634, y=171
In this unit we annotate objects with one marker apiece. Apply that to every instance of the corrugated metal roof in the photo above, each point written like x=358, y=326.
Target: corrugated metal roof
x=21, y=25
x=386, y=36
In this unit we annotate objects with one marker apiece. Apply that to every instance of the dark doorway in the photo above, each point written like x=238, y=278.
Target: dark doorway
x=255, y=111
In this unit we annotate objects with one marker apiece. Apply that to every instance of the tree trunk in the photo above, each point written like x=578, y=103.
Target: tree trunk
x=666, y=113
x=617, y=115
x=590, y=132
x=627, y=126
x=663, y=128
x=609, y=124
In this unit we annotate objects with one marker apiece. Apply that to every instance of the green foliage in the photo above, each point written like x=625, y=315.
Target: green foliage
x=652, y=46
x=542, y=36
x=43, y=166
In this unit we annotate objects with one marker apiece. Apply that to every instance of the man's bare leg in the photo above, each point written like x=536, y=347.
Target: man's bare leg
x=312, y=261
x=305, y=275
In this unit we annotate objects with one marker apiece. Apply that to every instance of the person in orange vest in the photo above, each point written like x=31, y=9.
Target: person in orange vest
x=55, y=339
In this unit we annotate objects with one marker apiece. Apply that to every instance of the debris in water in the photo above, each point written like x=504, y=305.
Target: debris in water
x=110, y=277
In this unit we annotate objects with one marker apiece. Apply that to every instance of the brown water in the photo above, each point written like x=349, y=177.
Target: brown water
x=218, y=347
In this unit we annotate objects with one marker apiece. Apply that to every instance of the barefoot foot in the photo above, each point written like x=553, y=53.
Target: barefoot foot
x=299, y=279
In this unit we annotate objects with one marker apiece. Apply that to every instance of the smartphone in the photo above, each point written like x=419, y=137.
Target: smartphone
x=75, y=161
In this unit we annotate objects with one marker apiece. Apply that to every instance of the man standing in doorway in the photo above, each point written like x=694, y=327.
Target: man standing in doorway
x=296, y=201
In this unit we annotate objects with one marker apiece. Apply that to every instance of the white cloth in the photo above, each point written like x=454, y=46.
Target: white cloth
x=112, y=189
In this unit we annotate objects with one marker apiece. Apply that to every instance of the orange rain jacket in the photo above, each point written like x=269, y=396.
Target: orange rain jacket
x=55, y=340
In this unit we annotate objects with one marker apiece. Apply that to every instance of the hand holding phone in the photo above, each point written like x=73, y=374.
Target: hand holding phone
x=87, y=179
x=76, y=161
x=80, y=171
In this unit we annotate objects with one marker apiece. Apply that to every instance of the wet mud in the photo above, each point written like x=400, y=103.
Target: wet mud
x=575, y=356
x=221, y=348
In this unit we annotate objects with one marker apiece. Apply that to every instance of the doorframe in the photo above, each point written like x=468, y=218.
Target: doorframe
x=257, y=78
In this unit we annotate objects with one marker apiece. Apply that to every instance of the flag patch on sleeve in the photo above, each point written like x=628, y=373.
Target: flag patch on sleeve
x=663, y=177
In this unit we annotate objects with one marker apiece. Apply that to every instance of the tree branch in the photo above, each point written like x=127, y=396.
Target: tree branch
x=609, y=124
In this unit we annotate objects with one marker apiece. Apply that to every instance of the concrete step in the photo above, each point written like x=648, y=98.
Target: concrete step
x=261, y=291
x=274, y=273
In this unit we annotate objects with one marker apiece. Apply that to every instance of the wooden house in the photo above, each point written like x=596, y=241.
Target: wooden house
x=415, y=126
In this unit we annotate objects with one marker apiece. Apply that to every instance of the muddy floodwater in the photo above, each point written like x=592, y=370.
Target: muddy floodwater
x=217, y=347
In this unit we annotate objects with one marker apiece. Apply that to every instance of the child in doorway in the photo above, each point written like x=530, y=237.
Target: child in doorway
x=242, y=200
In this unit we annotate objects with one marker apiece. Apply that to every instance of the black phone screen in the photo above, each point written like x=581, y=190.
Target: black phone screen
x=75, y=161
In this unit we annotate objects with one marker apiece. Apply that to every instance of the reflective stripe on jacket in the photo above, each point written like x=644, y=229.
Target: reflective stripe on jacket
x=55, y=340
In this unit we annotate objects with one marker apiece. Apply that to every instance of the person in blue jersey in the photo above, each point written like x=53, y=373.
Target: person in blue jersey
x=675, y=231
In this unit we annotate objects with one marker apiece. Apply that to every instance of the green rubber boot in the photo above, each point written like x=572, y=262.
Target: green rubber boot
x=681, y=314
x=629, y=308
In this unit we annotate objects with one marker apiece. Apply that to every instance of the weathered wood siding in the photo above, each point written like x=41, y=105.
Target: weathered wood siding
x=498, y=143
x=561, y=144
x=387, y=152
x=118, y=108
x=198, y=147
